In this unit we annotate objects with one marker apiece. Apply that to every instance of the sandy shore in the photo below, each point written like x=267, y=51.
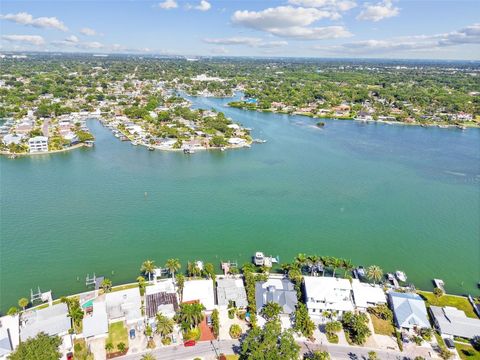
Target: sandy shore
x=7, y=153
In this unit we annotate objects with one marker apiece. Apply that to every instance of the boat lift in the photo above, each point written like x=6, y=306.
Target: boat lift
x=41, y=296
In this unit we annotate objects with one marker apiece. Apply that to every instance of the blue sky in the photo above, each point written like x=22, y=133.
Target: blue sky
x=425, y=29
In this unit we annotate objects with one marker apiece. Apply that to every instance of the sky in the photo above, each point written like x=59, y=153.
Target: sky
x=404, y=29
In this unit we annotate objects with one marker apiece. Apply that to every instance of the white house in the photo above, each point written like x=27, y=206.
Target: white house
x=366, y=295
x=236, y=141
x=451, y=322
x=409, y=310
x=38, y=144
x=201, y=291
x=9, y=335
x=124, y=305
x=95, y=325
x=231, y=289
x=52, y=320
x=327, y=294
x=12, y=139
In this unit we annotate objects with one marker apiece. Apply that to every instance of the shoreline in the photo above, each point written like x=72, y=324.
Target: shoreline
x=439, y=125
x=77, y=146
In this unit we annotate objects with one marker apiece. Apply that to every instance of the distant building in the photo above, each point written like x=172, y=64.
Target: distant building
x=327, y=294
x=38, y=144
x=12, y=139
x=450, y=321
x=277, y=290
x=409, y=310
x=229, y=289
x=201, y=291
x=9, y=335
x=52, y=320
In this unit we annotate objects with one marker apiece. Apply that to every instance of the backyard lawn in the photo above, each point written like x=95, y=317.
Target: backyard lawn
x=117, y=333
x=81, y=350
x=467, y=352
x=458, y=302
x=382, y=327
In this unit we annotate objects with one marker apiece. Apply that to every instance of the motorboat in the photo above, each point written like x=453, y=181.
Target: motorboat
x=400, y=275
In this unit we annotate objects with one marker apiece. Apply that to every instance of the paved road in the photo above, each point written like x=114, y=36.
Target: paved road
x=206, y=350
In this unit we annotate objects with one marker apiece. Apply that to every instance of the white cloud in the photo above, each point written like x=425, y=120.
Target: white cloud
x=246, y=41
x=204, y=5
x=28, y=39
x=219, y=50
x=291, y=22
x=466, y=35
x=379, y=11
x=334, y=5
x=24, y=18
x=74, y=42
x=168, y=4
x=88, y=31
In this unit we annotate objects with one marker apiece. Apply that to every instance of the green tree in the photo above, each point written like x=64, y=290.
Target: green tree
x=164, y=325
x=23, y=303
x=209, y=271
x=109, y=347
x=215, y=323
x=303, y=324
x=141, y=285
x=375, y=273
x=180, y=280
x=148, y=356
x=235, y=331
x=106, y=285
x=372, y=355
x=356, y=327
x=438, y=292
x=148, y=268
x=269, y=343
x=318, y=355
x=173, y=265
x=41, y=347
x=271, y=311
x=121, y=347
x=190, y=315
x=12, y=311
x=75, y=312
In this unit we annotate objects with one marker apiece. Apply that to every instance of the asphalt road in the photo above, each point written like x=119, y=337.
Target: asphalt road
x=208, y=350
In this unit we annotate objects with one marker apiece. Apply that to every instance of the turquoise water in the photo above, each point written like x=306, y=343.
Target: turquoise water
x=401, y=197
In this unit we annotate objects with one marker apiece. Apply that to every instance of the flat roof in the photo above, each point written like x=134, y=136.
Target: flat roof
x=231, y=290
x=199, y=290
x=9, y=334
x=96, y=323
x=52, y=320
x=365, y=295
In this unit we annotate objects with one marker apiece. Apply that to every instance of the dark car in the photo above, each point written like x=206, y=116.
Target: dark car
x=450, y=344
x=189, y=343
x=132, y=333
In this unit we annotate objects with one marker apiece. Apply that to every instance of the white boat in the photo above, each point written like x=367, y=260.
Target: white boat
x=400, y=275
x=188, y=151
x=259, y=259
x=134, y=143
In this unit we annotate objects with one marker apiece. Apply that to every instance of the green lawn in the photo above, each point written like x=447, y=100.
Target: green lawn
x=382, y=327
x=467, y=352
x=81, y=350
x=117, y=333
x=458, y=302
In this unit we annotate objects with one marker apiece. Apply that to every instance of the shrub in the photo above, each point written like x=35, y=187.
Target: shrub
x=151, y=344
x=382, y=312
x=166, y=341
x=235, y=331
x=192, y=334
x=231, y=313
x=399, y=340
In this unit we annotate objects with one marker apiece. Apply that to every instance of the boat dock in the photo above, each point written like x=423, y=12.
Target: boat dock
x=439, y=284
x=259, y=259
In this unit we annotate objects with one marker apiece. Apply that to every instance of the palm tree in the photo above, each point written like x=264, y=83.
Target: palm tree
x=108, y=347
x=106, y=285
x=271, y=311
x=301, y=260
x=347, y=265
x=23, y=303
x=313, y=261
x=173, y=265
x=148, y=268
x=164, y=325
x=375, y=273
x=190, y=314
x=148, y=356
x=75, y=312
x=336, y=263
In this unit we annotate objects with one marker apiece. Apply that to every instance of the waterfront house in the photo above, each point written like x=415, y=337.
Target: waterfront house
x=12, y=139
x=124, y=305
x=409, y=310
x=9, y=335
x=161, y=297
x=450, y=322
x=367, y=295
x=278, y=290
x=231, y=289
x=95, y=323
x=327, y=294
x=201, y=291
x=52, y=320
x=38, y=144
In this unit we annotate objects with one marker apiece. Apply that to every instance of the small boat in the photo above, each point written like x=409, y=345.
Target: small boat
x=400, y=275
x=134, y=143
x=151, y=148
x=259, y=141
x=259, y=258
x=461, y=127
x=188, y=151
x=222, y=149
x=12, y=156
x=443, y=126
x=360, y=271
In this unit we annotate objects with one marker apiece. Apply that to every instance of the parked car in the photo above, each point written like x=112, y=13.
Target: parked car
x=70, y=356
x=132, y=334
x=209, y=320
x=450, y=344
x=189, y=343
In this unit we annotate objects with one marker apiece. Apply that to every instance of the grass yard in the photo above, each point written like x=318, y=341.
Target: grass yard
x=382, y=327
x=124, y=287
x=117, y=333
x=467, y=352
x=458, y=302
x=81, y=350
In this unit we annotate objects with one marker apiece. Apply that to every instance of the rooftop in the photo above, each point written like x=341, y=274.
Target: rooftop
x=52, y=320
x=9, y=334
x=97, y=323
x=409, y=310
x=199, y=290
x=231, y=290
x=280, y=291
x=452, y=321
x=366, y=295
